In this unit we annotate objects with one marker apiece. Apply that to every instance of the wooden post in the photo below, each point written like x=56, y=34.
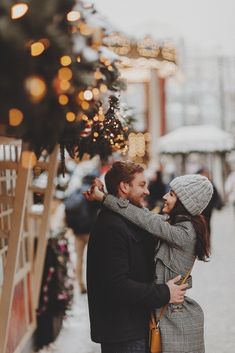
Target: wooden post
x=19, y=205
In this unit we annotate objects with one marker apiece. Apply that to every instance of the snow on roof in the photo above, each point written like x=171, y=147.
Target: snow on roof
x=200, y=138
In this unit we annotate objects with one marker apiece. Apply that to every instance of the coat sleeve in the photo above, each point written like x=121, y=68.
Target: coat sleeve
x=155, y=224
x=122, y=288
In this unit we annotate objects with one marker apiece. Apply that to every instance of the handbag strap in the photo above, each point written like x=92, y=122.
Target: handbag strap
x=163, y=310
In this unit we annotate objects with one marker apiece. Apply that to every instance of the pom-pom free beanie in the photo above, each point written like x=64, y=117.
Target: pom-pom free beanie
x=194, y=191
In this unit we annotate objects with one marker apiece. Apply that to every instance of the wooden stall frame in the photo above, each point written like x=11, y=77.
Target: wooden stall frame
x=23, y=224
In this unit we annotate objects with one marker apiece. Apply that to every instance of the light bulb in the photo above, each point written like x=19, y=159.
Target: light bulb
x=36, y=88
x=15, y=117
x=18, y=10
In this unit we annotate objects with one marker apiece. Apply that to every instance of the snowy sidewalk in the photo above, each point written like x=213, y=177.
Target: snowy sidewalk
x=213, y=288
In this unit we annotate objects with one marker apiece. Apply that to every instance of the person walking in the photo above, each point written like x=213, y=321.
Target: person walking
x=182, y=237
x=121, y=291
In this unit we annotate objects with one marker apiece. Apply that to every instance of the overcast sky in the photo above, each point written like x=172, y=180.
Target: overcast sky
x=204, y=23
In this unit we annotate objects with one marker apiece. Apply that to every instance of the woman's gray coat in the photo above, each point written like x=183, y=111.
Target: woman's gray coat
x=182, y=325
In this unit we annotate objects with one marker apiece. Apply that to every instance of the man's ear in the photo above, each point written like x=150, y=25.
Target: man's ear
x=124, y=187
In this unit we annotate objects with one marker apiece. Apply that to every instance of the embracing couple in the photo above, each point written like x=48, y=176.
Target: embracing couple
x=135, y=260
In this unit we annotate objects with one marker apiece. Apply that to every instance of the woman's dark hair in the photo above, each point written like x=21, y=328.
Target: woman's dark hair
x=180, y=214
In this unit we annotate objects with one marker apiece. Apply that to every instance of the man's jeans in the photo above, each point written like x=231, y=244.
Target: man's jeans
x=138, y=346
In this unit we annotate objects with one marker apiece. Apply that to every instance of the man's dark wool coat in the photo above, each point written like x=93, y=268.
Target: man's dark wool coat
x=121, y=293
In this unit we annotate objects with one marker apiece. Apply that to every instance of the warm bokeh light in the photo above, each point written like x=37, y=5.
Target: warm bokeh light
x=103, y=88
x=101, y=117
x=85, y=105
x=64, y=85
x=63, y=99
x=70, y=116
x=98, y=75
x=18, y=10
x=78, y=59
x=95, y=91
x=73, y=16
x=65, y=60
x=37, y=48
x=81, y=95
x=85, y=30
x=15, y=117
x=96, y=134
x=36, y=87
x=65, y=73
x=84, y=117
x=88, y=95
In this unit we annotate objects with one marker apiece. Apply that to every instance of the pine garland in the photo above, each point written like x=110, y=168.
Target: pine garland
x=55, y=76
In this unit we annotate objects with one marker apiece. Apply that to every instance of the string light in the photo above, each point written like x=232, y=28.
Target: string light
x=64, y=85
x=73, y=16
x=95, y=91
x=65, y=73
x=78, y=59
x=65, y=60
x=18, y=10
x=81, y=96
x=85, y=105
x=85, y=30
x=84, y=117
x=70, y=116
x=98, y=75
x=88, y=95
x=63, y=99
x=37, y=48
x=15, y=117
x=36, y=87
x=103, y=88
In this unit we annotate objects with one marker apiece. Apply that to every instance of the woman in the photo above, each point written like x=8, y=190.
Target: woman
x=181, y=238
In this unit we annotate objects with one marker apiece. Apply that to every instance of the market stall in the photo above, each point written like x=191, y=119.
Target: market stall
x=208, y=142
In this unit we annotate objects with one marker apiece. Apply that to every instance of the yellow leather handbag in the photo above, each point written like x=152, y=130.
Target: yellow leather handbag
x=155, y=344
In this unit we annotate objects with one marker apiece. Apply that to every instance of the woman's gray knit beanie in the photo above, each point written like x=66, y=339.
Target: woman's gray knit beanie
x=194, y=191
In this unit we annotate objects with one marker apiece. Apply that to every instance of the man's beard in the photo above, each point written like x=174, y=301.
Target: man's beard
x=135, y=201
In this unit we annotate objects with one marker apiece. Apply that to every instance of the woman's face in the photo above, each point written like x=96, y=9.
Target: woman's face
x=169, y=201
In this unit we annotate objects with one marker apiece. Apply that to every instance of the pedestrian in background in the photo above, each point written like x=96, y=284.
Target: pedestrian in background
x=80, y=216
x=157, y=190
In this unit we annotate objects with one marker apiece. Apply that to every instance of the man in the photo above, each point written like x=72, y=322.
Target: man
x=121, y=293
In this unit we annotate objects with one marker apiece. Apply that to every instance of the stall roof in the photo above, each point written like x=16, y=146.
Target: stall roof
x=199, y=138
